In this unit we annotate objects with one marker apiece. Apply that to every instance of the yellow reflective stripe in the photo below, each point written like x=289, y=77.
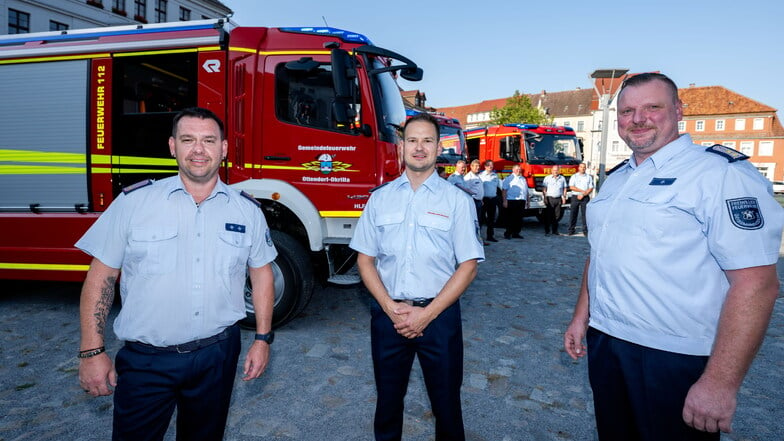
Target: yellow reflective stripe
x=321, y=52
x=59, y=58
x=340, y=213
x=37, y=156
x=168, y=51
x=43, y=266
x=243, y=49
x=143, y=160
x=41, y=170
x=276, y=167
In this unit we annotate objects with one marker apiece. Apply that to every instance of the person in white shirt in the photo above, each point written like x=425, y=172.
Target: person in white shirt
x=581, y=186
x=491, y=185
x=514, y=199
x=554, y=198
x=475, y=187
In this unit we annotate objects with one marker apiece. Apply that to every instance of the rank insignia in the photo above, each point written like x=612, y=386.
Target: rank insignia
x=235, y=227
x=732, y=155
x=745, y=213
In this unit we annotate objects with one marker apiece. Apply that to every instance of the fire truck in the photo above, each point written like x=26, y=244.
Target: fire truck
x=311, y=116
x=535, y=147
x=451, y=137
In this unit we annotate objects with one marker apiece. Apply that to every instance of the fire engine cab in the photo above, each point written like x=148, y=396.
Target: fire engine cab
x=311, y=116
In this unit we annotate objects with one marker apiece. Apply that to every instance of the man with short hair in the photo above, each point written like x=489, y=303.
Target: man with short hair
x=514, y=197
x=681, y=280
x=184, y=245
x=581, y=186
x=491, y=184
x=418, y=252
x=554, y=198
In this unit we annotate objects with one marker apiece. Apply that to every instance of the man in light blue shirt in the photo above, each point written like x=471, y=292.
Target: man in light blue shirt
x=581, y=186
x=681, y=280
x=184, y=245
x=554, y=197
x=514, y=199
x=418, y=248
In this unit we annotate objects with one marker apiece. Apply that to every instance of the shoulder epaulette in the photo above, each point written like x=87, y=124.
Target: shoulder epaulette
x=376, y=188
x=624, y=162
x=250, y=197
x=138, y=185
x=731, y=155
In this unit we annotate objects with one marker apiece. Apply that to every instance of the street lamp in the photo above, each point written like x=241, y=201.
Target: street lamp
x=605, y=96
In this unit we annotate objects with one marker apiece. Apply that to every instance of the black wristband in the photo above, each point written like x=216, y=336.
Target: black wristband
x=268, y=337
x=91, y=352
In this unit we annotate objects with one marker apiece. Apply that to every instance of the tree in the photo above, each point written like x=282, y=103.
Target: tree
x=518, y=109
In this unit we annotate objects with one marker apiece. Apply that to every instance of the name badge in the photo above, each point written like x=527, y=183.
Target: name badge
x=662, y=181
x=235, y=227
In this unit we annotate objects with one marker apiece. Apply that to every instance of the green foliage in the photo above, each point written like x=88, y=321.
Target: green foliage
x=518, y=109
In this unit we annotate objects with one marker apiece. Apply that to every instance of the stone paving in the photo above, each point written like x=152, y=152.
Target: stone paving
x=519, y=384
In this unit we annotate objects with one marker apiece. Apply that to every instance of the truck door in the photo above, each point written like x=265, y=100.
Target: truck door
x=304, y=144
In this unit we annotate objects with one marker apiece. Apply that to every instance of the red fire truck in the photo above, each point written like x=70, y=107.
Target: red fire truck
x=535, y=147
x=311, y=117
x=452, y=140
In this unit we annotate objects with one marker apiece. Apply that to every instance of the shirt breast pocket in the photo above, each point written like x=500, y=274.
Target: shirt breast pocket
x=233, y=250
x=436, y=228
x=389, y=229
x=655, y=211
x=154, y=250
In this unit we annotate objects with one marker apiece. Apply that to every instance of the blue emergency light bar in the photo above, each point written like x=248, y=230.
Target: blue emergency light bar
x=347, y=36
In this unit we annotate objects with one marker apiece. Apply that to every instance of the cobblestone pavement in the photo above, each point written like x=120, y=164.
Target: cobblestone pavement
x=519, y=384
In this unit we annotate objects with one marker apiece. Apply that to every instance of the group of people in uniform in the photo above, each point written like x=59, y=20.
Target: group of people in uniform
x=675, y=299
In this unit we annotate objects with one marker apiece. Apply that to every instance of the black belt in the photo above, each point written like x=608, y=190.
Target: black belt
x=182, y=348
x=418, y=302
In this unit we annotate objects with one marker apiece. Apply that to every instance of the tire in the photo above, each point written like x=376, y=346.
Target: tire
x=293, y=282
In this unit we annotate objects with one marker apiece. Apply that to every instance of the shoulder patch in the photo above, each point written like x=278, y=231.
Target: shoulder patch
x=624, y=162
x=379, y=187
x=745, y=213
x=250, y=197
x=732, y=155
x=138, y=185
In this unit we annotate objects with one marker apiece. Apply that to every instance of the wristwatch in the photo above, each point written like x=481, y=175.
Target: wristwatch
x=268, y=337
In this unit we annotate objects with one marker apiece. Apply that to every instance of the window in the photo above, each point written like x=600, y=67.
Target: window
x=567, y=123
x=706, y=143
x=185, y=14
x=699, y=126
x=160, y=11
x=510, y=148
x=305, y=97
x=140, y=10
x=766, y=148
x=57, y=26
x=681, y=126
x=740, y=124
x=118, y=7
x=719, y=125
x=747, y=148
x=580, y=126
x=758, y=124
x=616, y=147
x=18, y=22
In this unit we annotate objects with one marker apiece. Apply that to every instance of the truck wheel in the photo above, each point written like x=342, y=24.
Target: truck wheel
x=293, y=282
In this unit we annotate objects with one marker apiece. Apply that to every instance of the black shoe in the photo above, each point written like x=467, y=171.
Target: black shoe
x=517, y=236
x=492, y=239
x=571, y=233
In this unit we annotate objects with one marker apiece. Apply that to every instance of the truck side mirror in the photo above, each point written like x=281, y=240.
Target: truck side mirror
x=304, y=65
x=344, y=74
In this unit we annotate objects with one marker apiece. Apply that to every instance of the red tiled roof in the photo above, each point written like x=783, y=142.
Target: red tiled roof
x=717, y=100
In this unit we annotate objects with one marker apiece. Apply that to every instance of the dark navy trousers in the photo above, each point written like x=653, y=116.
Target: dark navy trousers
x=440, y=353
x=639, y=392
x=150, y=384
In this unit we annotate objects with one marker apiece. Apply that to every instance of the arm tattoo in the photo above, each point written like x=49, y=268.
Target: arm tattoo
x=104, y=304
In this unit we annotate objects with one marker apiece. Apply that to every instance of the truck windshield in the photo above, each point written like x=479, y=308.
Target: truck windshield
x=392, y=113
x=552, y=149
x=453, y=142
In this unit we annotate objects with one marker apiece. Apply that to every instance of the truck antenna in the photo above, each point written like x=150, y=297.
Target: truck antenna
x=325, y=21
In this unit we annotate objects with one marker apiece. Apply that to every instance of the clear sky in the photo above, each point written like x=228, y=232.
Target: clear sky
x=487, y=49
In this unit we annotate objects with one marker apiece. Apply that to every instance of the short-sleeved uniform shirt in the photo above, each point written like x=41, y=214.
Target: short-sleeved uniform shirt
x=474, y=184
x=418, y=237
x=183, y=265
x=555, y=185
x=583, y=181
x=662, y=233
x=490, y=183
x=516, y=188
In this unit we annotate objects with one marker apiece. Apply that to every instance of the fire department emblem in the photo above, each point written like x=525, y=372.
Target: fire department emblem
x=745, y=213
x=326, y=164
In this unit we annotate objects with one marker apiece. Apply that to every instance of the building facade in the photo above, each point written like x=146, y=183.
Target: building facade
x=25, y=16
